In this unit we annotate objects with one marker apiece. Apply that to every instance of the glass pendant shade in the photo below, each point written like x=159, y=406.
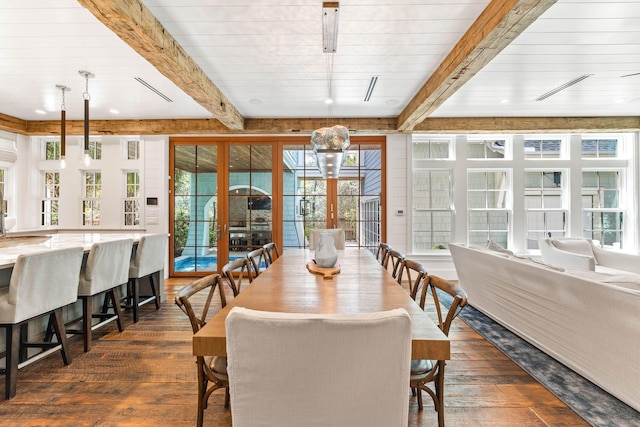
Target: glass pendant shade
x=329, y=145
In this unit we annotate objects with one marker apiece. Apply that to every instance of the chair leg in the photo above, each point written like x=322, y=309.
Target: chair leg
x=61, y=332
x=154, y=290
x=202, y=388
x=87, y=313
x=439, y=384
x=114, y=295
x=135, y=292
x=13, y=347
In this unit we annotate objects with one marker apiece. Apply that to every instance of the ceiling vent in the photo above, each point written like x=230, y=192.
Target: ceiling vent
x=563, y=87
x=631, y=75
x=372, y=85
x=153, y=89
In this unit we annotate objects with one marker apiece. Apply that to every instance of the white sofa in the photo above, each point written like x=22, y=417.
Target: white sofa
x=587, y=320
x=583, y=254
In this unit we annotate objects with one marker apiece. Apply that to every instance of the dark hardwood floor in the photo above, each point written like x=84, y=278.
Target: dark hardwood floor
x=145, y=376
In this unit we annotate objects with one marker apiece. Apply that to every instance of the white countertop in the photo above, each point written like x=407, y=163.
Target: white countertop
x=8, y=255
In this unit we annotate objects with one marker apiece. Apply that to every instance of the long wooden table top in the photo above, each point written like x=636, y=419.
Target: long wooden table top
x=362, y=286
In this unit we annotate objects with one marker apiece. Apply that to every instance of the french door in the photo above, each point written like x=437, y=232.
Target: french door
x=231, y=195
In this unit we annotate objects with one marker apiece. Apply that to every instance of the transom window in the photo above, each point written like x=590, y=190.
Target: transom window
x=95, y=149
x=486, y=149
x=51, y=149
x=542, y=148
x=132, y=149
x=431, y=148
x=599, y=148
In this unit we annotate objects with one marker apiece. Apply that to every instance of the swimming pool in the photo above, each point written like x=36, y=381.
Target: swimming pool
x=201, y=263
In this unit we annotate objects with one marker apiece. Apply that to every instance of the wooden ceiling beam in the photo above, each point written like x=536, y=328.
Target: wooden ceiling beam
x=448, y=125
x=497, y=26
x=528, y=125
x=135, y=24
x=13, y=124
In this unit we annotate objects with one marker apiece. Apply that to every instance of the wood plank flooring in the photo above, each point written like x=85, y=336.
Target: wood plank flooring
x=146, y=376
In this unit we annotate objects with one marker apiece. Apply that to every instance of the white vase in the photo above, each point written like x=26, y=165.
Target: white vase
x=326, y=252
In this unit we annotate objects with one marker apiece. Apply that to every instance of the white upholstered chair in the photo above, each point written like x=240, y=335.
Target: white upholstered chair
x=148, y=261
x=107, y=268
x=317, y=370
x=40, y=284
x=336, y=233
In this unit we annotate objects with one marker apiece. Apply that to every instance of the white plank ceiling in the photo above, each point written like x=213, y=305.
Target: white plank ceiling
x=266, y=57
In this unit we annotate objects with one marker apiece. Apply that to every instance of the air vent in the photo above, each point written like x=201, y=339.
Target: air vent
x=563, y=87
x=153, y=89
x=631, y=75
x=372, y=85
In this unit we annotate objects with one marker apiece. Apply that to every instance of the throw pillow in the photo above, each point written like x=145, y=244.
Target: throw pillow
x=576, y=246
x=497, y=248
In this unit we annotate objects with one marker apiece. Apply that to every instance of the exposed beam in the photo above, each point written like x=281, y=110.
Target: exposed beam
x=306, y=126
x=528, y=124
x=13, y=124
x=497, y=26
x=135, y=24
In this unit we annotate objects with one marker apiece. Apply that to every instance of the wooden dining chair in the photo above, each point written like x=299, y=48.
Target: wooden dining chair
x=424, y=372
x=196, y=301
x=381, y=253
x=258, y=258
x=411, y=275
x=234, y=272
x=303, y=369
x=394, y=258
x=271, y=251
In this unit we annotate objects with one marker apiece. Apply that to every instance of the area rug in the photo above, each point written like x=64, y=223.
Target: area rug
x=594, y=405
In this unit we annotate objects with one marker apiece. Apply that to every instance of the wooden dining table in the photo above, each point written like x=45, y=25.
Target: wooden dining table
x=361, y=286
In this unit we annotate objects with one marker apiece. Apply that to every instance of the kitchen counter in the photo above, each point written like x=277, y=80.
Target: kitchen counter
x=9, y=254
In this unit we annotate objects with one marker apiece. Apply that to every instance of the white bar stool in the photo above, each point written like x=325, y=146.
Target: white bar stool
x=107, y=268
x=41, y=283
x=148, y=260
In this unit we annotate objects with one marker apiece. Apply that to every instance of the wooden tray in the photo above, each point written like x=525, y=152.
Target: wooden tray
x=326, y=273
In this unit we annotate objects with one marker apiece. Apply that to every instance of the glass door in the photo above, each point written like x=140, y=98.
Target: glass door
x=194, y=209
x=250, y=197
x=353, y=202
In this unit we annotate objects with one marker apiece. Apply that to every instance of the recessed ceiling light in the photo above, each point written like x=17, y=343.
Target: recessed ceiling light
x=328, y=101
x=620, y=100
x=114, y=111
x=504, y=101
x=255, y=101
x=41, y=112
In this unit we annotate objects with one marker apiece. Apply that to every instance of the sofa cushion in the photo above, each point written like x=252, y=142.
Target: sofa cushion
x=576, y=246
x=491, y=245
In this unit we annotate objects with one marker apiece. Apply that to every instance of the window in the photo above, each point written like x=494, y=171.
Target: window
x=599, y=148
x=486, y=149
x=50, y=199
x=95, y=150
x=542, y=148
x=431, y=148
x=433, y=209
x=132, y=199
x=602, y=217
x=91, y=201
x=51, y=149
x=132, y=149
x=3, y=174
x=544, y=206
x=487, y=202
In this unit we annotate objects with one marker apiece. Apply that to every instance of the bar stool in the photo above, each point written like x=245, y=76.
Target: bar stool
x=147, y=261
x=41, y=283
x=107, y=268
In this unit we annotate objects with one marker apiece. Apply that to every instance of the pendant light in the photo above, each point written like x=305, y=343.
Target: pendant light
x=63, y=126
x=330, y=143
x=87, y=75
